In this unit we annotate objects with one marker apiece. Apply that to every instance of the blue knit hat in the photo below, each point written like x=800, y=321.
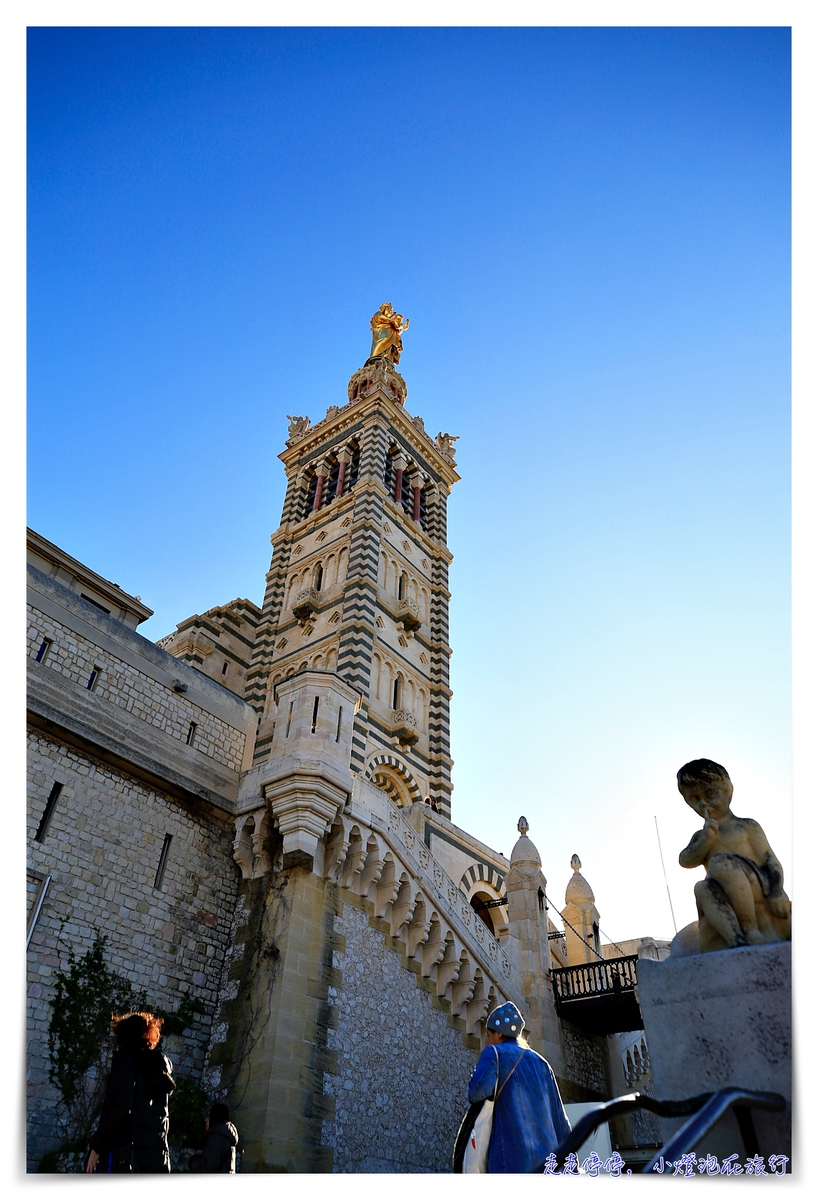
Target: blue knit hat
x=507, y=1019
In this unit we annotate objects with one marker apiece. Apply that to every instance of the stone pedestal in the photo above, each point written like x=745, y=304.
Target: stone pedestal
x=719, y=1020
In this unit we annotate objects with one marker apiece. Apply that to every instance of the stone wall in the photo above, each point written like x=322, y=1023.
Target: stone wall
x=403, y=1071
x=102, y=849
x=74, y=657
x=586, y=1074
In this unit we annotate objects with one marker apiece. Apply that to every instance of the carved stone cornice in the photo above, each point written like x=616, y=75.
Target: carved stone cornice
x=374, y=406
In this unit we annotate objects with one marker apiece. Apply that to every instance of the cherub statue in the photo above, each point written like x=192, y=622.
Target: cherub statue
x=298, y=426
x=445, y=444
x=387, y=326
x=741, y=900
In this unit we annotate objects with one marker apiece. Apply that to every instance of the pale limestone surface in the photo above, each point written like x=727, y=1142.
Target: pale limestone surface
x=529, y=950
x=74, y=575
x=580, y=918
x=721, y=1020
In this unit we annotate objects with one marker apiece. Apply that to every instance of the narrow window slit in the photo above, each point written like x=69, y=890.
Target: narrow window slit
x=163, y=861
x=44, y=649
x=338, y=730
x=191, y=733
x=93, y=678
x=289, y=718
x=314, y=715
x=48, y=812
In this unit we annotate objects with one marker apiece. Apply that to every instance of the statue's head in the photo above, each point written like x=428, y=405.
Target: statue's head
x=386, y=309
x=706, y=787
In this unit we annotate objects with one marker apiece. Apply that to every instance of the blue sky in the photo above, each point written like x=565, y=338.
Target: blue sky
x=589, y=230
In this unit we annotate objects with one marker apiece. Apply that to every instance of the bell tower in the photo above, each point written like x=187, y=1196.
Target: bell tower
x=358, y=583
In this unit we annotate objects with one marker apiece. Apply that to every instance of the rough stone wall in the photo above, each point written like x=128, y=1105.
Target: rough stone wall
x=585, y=1063
x=74, y=657
x=403, y=1071
x=102, y=850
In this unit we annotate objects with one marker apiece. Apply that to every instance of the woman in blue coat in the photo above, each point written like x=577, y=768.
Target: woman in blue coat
x=529, y=1117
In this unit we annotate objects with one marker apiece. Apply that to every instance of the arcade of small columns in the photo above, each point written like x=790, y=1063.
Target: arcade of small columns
x=400, y=473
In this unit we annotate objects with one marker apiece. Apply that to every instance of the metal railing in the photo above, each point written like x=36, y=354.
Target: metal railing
x=613, y=976
x=704, y=1111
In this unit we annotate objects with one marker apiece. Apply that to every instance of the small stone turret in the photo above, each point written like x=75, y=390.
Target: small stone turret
x=581, y=919
x=528, y=946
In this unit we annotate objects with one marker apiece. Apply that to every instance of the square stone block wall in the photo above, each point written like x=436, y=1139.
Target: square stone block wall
x=722, y=1020
x=102, y=849
x=74, y=657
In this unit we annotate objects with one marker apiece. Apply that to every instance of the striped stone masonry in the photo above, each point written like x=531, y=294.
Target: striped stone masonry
x=359, y=586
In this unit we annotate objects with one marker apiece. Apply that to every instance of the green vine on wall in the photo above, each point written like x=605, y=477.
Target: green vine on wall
x=79, y=1046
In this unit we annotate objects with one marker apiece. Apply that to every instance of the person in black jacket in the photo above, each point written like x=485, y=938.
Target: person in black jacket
x=132, y=1134
x=218, y=1156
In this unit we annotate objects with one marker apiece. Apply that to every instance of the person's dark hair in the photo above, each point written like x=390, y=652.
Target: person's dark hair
x=700, y=769
x=137, y=1031
x=218, y=1113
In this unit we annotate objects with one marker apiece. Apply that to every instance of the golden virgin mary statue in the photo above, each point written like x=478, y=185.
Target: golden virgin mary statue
x=387, y=326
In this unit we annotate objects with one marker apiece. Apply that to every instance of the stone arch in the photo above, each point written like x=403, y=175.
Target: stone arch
x=478, y=873
x=393, y=777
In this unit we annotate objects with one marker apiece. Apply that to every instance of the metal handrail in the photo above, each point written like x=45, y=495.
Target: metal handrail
x=704, y=1111
x=703, y=1121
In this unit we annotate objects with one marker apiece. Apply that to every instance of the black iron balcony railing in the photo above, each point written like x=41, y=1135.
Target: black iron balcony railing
x=599, y=997
x=595, y=979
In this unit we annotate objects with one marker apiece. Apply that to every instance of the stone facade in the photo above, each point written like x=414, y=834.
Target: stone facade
x=398, y=1059
x=719, y=1020
x=101, y=852
x=120, y=683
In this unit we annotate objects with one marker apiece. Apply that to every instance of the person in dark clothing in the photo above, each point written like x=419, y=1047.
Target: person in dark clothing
x=218, y=1156
x=132, y=1134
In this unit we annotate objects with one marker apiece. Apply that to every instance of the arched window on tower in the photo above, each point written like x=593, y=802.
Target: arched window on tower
x=389, y=471
x=402, y=583
x=308, y=503
x=407, y=493
x=331, y=482
x=318, y=577
x=397, y=691
x=424, y=493
x=353, y=468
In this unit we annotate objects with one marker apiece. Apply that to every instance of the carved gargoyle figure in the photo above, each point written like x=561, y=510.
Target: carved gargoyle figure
x=741, y=900
x=298, y=427
x=445, y=444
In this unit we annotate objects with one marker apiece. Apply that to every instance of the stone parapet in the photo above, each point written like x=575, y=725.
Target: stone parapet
x=721, y=1020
